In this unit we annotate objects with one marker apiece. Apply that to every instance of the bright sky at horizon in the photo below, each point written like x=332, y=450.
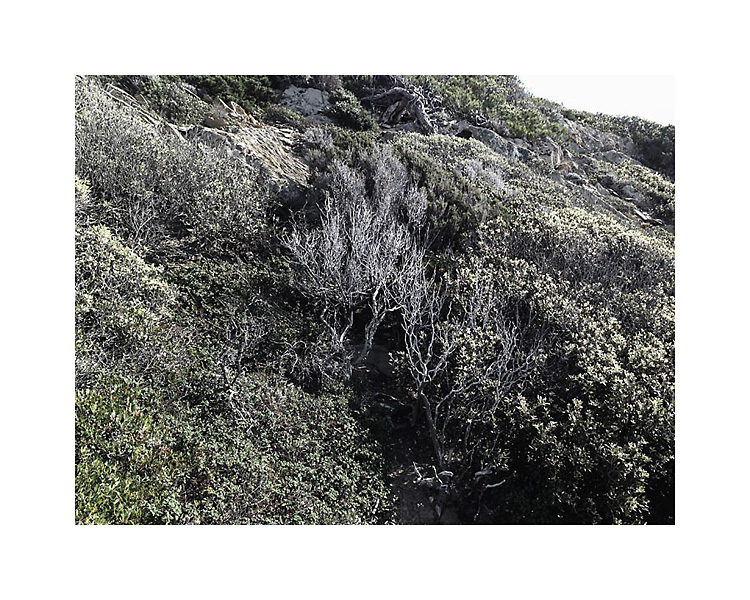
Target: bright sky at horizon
x=650, y=97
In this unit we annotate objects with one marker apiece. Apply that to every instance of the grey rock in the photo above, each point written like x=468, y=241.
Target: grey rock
x=489, y=138
x=215, y=122
x=613, y=156
x=267, y=146
x=575, y=178
x=309, y=102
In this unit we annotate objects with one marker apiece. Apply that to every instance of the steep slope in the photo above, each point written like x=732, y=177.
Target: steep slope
x=326, y=286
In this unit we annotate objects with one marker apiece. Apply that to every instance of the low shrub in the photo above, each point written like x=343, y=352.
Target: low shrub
x=277, y=455
x=128, y=470
x=587, y=433
x=655, y=143
x=462, y=181
x=151, y=186
x=173, y=427
x=275, y=113
x=347, y=111
x=500, y=99
x=123, y=306
x=249, y=91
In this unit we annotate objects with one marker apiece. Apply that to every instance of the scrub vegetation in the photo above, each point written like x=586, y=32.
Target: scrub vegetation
x=463, y=312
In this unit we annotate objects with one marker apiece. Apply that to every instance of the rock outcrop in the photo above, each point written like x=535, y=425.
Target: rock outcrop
x=228, y=128
x=265, y=146
x=576, y=164
x=309, y=102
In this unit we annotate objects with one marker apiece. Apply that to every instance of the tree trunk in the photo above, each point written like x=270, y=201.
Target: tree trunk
x=433, y=431
x=398, y=100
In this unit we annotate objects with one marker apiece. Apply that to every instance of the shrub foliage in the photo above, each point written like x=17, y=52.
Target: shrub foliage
x=225, y=328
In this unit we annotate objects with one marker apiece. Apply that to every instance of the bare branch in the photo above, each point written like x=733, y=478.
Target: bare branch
x=364, y=243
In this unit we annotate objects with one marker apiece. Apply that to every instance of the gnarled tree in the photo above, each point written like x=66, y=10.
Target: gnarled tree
x=466, y=349
x=365, y=238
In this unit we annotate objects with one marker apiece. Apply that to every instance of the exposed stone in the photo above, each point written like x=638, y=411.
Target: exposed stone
x=550, y=150
x=267, y=146
x=309, y=102
x=646, y=218
x=223, y=115
x=585, y=139
x=575, y=178
x=613, y=156
x=489, y=138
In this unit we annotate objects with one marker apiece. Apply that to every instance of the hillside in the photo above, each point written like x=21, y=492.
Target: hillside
x=370, y=299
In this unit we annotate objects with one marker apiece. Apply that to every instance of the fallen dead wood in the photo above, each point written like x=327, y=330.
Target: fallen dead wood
x=399, y=101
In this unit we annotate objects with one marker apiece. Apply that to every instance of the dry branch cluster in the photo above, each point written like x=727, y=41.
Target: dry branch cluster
x=366, y=241
x=367, y=256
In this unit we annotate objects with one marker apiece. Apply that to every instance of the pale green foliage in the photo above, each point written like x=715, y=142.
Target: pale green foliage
x=154, y=185
x=160, y=438
x=122, y=304
x=501, y=100
x=566, y=379
x=127, y=471
x=346, y=109
x=659, y=190
x=532, y=331
x=278, y=456
x=463, y=181
x=592, y=423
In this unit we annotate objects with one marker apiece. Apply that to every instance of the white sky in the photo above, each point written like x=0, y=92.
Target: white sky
x=650, y=97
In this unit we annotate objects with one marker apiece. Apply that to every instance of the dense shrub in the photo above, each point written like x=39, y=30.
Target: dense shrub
x=462, y=182
x=307, y=459
x=83, y=201
x=491, y=98
x=655, y=143
x=323, y=145
x=470, y=94
x=127, y=468
x=248, y=91
x=365, y=85
x=248, y=309
x=278, y=456
x=171, y=429
x=552, y=360
x=123, y=306
x=276, y=113
x=587, y=434
x=347, y=111
x=171, y=100
x=165, y=95
x=221, y=347
x=153, y=186
x=659, y=191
